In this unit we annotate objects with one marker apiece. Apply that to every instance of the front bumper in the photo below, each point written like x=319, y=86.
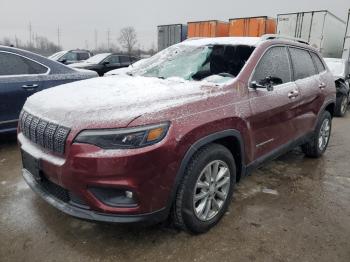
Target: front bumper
x=149, y=173
x=85, y=214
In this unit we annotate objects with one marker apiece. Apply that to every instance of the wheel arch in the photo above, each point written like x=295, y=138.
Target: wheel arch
x=230, y=138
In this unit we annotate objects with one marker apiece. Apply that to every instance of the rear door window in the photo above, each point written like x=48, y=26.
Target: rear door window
x=11, y=64
x=83, y=56
x=319, y=65
x=302, y=63
x=124, y=59
x=274, y=63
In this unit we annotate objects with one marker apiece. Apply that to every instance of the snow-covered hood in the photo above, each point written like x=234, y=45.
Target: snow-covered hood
x=87, y=72
x=80, y=65
x=115, y=100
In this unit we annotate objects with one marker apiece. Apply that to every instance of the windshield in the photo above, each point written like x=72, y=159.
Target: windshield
x=57, y=55
x=179, y=63
x=337, y=66
x=217, y=63
x=96, y=59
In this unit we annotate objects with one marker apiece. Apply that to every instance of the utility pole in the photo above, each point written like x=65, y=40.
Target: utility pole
x=96, y=39
x=108, y=38
x=30, y=33
x=58, y=36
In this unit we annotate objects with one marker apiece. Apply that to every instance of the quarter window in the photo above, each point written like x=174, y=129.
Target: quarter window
x=302, y=63
x=319, y=65
x=11, y=64
x=274, y=63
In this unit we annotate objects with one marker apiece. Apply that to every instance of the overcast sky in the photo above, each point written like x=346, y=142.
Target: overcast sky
x=78, y=19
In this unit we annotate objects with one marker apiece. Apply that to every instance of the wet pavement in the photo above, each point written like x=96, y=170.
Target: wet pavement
x=292, y=209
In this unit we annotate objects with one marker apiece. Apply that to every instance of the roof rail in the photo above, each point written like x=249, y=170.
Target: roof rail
x=275, y=36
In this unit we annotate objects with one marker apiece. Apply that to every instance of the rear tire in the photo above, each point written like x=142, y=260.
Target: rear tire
x=320, y=139
x=341, y=106
x=200, y=201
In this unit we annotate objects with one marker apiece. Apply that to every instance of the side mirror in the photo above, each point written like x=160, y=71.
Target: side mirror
x=255, y=85
x=105, y=63
x=63, y=61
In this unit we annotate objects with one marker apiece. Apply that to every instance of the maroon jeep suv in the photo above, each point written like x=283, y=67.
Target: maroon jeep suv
x=171, y=136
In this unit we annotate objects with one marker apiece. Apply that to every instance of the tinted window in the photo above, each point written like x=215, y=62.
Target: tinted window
x=83, y=56
x=274, y=63
x=302, y=63
x=70, y=56
x=113, y=59
x=124, y=59
x=11, y=64
x=318, y=62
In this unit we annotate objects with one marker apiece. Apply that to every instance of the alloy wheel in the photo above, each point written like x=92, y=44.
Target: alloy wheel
x=344, y=105
x=324, y=134
x=211, y=190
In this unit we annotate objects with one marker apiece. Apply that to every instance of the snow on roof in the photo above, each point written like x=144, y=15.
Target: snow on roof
x=250, y=41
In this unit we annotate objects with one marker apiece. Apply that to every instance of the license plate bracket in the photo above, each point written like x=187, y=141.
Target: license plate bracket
x=31, y=164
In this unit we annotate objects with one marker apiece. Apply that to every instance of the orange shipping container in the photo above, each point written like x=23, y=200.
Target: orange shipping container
x=252, y=26
x=211, y=28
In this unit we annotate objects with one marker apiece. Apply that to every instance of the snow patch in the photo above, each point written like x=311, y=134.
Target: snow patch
x=115, y=99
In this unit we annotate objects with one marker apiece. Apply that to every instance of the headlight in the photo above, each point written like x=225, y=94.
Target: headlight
x=124, y=138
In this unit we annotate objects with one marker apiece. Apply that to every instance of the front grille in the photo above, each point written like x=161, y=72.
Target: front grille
x=41, y=132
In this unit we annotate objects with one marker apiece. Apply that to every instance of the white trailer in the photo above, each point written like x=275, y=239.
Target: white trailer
x=321, y=29
x=346, y=49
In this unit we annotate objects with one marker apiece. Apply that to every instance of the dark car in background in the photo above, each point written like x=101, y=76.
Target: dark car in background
x=103, y=63
x=341, y=73
x=22, y=74
x=71, y=56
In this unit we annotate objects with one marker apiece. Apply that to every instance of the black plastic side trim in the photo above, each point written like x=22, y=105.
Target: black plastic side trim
x=277, y=152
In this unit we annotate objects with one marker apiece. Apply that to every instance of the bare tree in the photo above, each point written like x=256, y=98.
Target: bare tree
x=128, y=38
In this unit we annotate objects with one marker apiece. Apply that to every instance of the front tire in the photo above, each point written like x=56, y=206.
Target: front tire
x=205, y=190
x=320, y=139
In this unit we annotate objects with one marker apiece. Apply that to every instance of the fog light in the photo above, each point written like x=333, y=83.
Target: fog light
x=114, y=197
x=128, y=194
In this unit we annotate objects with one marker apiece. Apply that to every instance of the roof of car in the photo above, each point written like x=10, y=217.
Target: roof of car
x=250, y=41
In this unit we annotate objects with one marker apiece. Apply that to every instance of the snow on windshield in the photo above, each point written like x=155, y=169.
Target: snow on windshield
x=182, y=63
x=97, y=58
x=337, y=66
x=196, y=62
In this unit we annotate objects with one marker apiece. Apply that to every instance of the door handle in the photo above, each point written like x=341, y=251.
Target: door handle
x=322, y=86
x=30, y=87
x=293, y=94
